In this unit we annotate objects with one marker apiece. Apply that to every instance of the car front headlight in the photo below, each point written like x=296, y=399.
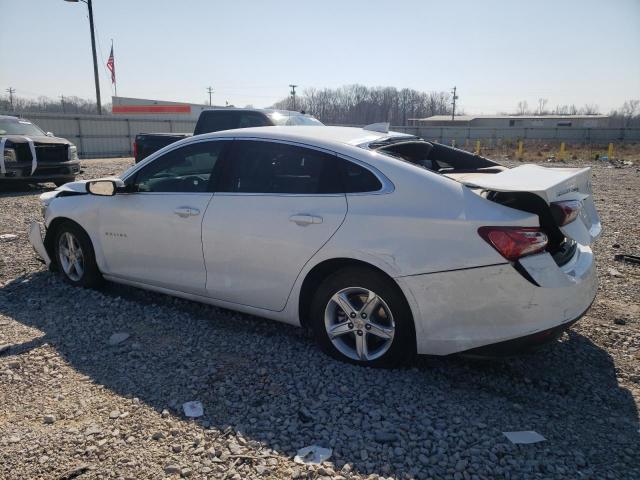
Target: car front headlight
x=73, y=152
x=10, y=155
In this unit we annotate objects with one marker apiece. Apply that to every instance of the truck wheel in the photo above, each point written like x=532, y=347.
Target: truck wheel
x=59, y=183
x=75, y=257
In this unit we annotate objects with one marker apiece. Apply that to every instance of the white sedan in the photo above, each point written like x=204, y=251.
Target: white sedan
x=383, y=244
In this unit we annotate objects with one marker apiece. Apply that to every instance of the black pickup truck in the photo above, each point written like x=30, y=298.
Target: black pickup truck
x=218, y=119
x=29, y=155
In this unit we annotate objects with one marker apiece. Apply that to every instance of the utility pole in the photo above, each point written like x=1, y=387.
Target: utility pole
x=453, y=101
x=93, y=50
x=95, y=58
x=210, y=91
x=11, y=91
x=293, y=95
x=62, y=103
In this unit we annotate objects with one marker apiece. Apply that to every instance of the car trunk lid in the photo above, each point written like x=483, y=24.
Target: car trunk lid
x=551, y=185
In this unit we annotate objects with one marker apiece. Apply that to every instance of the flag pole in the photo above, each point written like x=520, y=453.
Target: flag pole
x=115, y=80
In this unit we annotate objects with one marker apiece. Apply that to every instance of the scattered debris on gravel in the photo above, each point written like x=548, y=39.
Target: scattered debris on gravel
x=93, y=383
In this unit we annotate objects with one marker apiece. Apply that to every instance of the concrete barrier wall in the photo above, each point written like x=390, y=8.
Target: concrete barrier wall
x=98, y=136
x=112, y=136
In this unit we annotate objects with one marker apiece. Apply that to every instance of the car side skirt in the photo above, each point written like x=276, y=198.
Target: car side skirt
x=279, y=316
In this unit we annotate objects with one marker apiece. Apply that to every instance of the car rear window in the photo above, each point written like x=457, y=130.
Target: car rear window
x=215, y=121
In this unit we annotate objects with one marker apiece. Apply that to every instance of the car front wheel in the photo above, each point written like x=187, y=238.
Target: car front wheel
x=359, y=316
x=75, y=258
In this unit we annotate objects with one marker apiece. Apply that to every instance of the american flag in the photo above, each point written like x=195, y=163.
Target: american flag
x=111, y=65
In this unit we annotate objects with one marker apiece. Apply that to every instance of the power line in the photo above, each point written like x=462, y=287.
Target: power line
x=11, y=91
x=210, y=91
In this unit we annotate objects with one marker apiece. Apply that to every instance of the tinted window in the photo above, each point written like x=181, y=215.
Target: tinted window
x=358, y=179
x=187, y=169
x=252, y=119
x=217, y=120
x=266, y=167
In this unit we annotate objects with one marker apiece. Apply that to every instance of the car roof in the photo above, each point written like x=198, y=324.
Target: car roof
x=260, y=110
x=318, y=135
x=10, y=117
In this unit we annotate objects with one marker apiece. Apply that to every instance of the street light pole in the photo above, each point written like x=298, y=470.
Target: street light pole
x=93, y=50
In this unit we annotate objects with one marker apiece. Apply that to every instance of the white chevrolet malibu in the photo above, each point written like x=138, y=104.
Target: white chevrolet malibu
x=383, y=244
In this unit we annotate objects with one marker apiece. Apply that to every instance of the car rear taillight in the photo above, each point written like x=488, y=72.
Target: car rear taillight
x=565, y=212
x=135, y=149
x=514, y=242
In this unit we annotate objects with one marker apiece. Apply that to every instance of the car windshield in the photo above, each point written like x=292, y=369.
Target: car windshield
x=19, y=127
x=286, y=118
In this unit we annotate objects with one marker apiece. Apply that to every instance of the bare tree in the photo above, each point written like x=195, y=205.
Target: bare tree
x=72, y=104
x=542, y=103
x=590, y=109
x=627, y=116
x=523, y=107
x=358, y=104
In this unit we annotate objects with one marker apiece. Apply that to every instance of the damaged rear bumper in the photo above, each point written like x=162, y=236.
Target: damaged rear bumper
x=458, y=311
x=37, y=241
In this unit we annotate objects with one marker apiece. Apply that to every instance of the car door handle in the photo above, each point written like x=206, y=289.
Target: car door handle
x=185, y=212
x=304, y=219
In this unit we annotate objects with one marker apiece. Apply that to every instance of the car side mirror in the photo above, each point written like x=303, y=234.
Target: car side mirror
x=49, y=134
x=103, y=188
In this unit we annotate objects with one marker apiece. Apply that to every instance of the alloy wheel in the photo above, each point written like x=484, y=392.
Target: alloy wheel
x=71, y=256
x=359, y=323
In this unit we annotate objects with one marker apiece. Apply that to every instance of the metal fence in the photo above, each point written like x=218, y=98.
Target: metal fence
x=498, y=136
x=112, y=136
x=98, y=136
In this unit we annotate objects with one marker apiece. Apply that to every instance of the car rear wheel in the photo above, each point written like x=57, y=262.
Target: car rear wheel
x=75, y=257
x=359, y=316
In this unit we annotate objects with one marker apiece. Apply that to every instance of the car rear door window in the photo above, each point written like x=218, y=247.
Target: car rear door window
x=276, y=168
x=187, y=169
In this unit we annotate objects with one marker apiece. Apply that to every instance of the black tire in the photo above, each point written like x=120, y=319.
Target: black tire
x=59, y=183
x=403, y=345
x=91, y=276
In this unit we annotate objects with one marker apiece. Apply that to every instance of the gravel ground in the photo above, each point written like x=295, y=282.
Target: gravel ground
x=74, y=405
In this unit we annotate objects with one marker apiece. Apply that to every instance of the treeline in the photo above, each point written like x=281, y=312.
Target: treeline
x=627, y=116
x=361, y=105
x=49, y=105
x=353, y=105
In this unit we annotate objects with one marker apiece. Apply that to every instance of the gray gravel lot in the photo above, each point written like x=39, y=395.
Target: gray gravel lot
x=74, y=406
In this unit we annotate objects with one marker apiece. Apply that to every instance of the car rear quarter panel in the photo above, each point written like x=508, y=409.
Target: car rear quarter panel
x=428, y=223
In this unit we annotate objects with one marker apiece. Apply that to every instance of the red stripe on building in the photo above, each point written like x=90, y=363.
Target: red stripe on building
x=151, y=109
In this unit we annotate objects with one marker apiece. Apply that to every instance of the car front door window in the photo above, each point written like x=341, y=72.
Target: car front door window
x=187, y=169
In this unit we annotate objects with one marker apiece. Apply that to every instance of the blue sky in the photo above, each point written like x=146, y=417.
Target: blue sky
x=495, y=52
